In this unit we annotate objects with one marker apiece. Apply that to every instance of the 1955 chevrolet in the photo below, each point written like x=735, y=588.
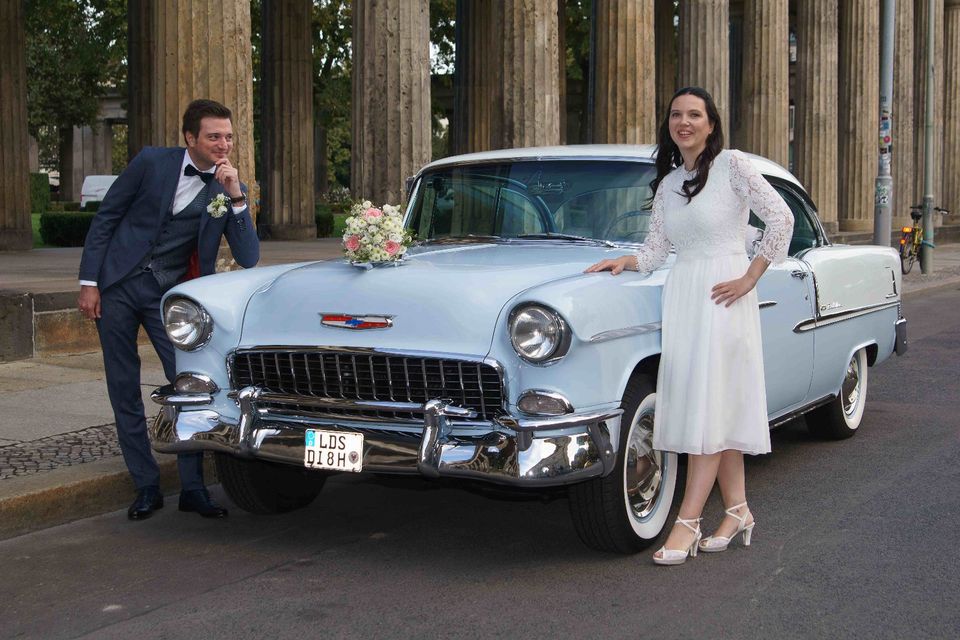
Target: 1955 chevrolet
x=487, y=354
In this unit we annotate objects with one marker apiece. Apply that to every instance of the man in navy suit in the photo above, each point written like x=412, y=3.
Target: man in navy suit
x=152, y=220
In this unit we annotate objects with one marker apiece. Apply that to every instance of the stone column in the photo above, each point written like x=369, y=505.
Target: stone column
x=140, y=53
x=287, y=122
x=624, y=94
x=859, y=119
x=666, y=43
x=391, y=96
x=202, y=50
x=951, y=101
x=920, y=100
x=765, y=87
x=816, y=106
x=531, y=92
x=903, y=117
x=15, y=229
x=705, y=51
x=477, y=88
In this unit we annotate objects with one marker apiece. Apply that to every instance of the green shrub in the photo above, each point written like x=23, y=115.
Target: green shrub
x=92, y=205
x=67, y=229
x=39, y=192
x=55, y=205
x=71, y=206
x=324, y=219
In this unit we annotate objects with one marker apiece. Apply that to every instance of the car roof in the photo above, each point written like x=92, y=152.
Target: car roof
x=642, y=152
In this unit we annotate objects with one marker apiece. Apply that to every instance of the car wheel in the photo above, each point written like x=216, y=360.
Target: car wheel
x=842, y=416
x=625, y=511
x=264, y=487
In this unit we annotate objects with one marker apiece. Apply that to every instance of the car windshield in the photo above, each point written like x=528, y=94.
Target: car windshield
x=572, y=200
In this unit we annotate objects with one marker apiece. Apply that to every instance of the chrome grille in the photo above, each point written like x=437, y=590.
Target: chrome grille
x=348, y=375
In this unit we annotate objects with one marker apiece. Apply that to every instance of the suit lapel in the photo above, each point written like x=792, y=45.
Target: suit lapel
x=171, y=172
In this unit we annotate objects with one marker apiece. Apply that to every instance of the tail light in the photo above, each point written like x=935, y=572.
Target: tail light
x=907, y=229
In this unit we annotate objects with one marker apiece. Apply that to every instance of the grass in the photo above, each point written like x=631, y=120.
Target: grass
x=35, y=223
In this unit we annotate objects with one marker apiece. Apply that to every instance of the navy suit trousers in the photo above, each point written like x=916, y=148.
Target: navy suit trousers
x=124, y=307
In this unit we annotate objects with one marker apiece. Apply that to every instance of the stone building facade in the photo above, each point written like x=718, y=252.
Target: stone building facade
x=796, y=81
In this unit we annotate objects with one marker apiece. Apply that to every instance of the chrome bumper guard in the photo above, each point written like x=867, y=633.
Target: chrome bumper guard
x=512, y=451
x=900, y=345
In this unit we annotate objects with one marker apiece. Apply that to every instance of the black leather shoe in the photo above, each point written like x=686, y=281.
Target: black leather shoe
x=198, y=501
x=149, y=499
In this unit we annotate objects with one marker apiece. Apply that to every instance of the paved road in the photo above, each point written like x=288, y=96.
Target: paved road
x=855, y=539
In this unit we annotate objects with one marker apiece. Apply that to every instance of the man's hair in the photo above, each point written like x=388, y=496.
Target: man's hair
x=200, y=109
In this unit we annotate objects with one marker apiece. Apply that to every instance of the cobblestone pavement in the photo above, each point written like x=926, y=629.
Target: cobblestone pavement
x=63, y=450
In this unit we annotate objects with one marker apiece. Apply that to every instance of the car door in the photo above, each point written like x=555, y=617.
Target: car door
x=786, y=295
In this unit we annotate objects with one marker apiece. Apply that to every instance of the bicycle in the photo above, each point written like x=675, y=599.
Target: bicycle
x=912, y=238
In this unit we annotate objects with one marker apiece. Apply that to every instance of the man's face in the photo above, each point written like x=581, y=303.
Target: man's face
x=213, y=143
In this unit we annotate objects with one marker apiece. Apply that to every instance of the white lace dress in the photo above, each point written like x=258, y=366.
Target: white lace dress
x=710, y=391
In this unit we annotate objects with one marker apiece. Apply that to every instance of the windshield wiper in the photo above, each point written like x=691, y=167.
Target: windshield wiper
x=550, y=235
x=470, y=237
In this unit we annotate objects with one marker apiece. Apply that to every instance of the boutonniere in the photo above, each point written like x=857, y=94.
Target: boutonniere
x=218, y=206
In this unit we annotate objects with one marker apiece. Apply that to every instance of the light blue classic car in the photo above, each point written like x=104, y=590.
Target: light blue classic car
x=487, y=354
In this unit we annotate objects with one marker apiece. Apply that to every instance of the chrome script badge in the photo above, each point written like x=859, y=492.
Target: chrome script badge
x=347, y=321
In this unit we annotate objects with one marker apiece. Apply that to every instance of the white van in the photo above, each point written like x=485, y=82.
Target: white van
x=95, y=188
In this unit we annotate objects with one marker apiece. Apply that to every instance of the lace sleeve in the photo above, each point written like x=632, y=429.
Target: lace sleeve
x=764, y=200
x=655, y=247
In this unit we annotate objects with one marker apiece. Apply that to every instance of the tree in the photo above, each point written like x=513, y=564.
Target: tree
x=76, y=52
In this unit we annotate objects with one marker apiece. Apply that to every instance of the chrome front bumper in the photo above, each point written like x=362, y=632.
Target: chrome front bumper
x=522, y=452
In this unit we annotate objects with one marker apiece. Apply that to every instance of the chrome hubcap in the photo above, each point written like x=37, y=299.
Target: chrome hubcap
x=643, y=469
x=851, y=386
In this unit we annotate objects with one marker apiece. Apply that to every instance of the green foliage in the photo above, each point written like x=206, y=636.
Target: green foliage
x=35, y=223
x=324, y=218
x=75, y=51
x=443, y=17
x=65, y=229
x=91, y=205
x=71, y=206
x=39, y=192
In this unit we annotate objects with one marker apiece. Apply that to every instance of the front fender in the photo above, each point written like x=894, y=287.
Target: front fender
x=615, y=324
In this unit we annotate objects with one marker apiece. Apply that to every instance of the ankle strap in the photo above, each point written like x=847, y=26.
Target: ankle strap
x=732, y=512
x=686, y=523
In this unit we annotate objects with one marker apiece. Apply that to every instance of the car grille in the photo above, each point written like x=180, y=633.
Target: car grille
x=347, y=375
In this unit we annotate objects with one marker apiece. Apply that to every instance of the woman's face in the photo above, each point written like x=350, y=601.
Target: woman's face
x=689, y=125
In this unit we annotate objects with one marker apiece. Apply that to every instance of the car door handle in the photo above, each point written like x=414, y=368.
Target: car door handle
x=798, y=273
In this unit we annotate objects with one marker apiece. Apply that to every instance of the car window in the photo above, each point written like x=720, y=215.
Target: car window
x=600, y=199
x=804, y=232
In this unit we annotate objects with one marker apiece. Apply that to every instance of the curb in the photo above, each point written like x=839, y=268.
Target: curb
x=71, y=493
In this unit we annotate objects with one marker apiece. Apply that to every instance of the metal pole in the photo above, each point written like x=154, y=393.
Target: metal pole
x=926, y=248
x=883, y=195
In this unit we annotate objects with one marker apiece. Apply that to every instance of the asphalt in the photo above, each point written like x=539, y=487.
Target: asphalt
x=59, y=459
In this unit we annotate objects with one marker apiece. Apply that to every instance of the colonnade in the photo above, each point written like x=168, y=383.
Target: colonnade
x=509, y=90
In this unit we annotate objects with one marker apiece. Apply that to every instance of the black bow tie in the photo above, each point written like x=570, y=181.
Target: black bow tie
x=191, y=170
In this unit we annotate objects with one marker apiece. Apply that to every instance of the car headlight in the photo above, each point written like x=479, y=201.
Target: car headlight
x=188, y=324
x=538, y=333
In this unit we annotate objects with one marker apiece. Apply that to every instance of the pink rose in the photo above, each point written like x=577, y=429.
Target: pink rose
x=373, y=212
x=352, y=243
x=391, y=247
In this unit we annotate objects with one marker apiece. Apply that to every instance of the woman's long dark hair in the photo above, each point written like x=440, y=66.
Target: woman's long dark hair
x=668, y=153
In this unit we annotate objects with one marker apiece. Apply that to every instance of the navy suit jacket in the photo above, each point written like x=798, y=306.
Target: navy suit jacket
x=131, y=215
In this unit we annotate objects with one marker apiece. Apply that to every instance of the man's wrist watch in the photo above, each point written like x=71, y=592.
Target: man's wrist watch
x=240, y=199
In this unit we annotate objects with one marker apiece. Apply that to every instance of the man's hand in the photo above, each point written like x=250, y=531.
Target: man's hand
x=89, y=302
x=227, y=175
x=615, y=266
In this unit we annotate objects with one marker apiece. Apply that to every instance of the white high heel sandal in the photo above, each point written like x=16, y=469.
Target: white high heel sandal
x=679, y=556
x=713, y=544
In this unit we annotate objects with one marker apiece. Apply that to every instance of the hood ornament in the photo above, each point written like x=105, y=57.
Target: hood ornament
x=349, y=321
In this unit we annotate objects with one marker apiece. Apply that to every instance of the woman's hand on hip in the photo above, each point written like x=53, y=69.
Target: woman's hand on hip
x=726, y=293
x=615, y=266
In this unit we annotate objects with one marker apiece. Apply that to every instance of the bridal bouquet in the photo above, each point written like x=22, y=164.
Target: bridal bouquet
x=375, y=234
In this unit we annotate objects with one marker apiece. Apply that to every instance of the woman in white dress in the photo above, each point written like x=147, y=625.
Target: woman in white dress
x=711, y=399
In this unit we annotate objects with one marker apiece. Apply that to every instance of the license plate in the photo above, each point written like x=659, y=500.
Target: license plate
x=333, y=450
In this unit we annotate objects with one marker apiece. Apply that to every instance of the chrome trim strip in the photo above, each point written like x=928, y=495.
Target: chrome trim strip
x=557, y=422
x=169, y=397
x=636, y=330
x=813, y=323
x=796, y=413
x=768, y=303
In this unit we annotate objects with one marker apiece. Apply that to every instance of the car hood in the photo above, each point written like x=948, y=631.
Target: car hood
x=446, y=299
